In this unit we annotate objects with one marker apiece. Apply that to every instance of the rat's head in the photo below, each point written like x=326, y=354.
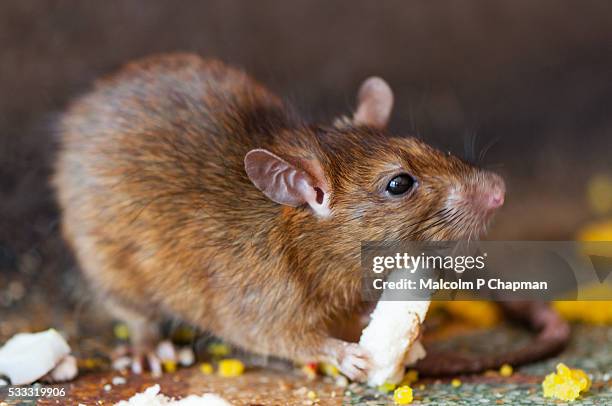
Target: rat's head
x=381, y=187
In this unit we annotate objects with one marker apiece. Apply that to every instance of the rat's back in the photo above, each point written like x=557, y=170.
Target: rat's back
x=143, y=168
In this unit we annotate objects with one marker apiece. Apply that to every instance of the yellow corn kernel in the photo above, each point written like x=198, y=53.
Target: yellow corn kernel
x=230, y=367
x=599, y=231
x=206, y=368
x=169, y=365
x=90, y=363
x=403, y=395
x=312, y=395
x=386, y=387
x=584, y=380
x=328, y=369
x=121, y=331
x=411, y=377
x=506, y=370
x=218, y=349
x=477, y=313
x=598, y=312
x=566, y=384
x=456, y=383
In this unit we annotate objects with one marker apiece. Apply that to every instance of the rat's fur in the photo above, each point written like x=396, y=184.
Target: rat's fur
x=165, y=222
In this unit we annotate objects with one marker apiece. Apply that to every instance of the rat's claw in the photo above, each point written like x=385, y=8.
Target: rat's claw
x=139, y=359
x=155, y=364
x=148, y=358
x=137, y=365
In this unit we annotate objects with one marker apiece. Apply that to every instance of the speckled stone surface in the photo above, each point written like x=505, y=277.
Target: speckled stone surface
x=590, y=350
x=91, y=337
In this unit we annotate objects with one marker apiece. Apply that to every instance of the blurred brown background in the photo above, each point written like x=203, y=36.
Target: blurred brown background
x=527, y=82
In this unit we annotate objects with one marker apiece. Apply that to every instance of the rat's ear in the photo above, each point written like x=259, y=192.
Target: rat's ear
x=375, y=102
x=285, y=183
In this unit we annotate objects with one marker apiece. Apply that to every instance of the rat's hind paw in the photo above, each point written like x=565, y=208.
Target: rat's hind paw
x=138, y=358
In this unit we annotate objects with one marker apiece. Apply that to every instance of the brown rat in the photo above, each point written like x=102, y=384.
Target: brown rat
x=189, y=190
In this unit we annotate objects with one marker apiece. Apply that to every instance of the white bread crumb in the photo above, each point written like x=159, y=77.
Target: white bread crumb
x=152, y=397
x=27, y=357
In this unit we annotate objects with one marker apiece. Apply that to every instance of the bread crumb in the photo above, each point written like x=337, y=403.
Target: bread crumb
x=152, y=397
x=118, y=380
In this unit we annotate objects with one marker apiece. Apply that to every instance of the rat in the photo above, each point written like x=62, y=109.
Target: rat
x=190, y=191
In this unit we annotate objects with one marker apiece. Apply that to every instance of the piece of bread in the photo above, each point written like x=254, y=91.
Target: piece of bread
x=27, y=357
x=152, y=397
x=392, y=339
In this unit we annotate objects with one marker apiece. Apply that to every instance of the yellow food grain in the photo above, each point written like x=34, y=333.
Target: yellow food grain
x=411, y=377
x=566, y=384
x=218, y=349
x=90, y=363
x=230, y=367
x=121, y=331
x=598, y=231
x=477, y=313
x=310, y=370
x=403, y=395
x=456, y=383
x=206, y=368
x=328, y=369
x=506, y=370
x=598, y=312
x=169, y=365
x=312, y=395
x=386, y=387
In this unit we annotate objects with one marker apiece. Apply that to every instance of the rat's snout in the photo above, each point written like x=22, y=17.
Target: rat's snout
x=492, y=192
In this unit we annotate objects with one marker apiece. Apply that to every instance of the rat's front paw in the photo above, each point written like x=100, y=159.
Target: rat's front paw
x=353, y=361
x=137, y=358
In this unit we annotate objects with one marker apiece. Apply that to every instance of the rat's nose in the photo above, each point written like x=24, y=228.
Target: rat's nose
x=493, y=193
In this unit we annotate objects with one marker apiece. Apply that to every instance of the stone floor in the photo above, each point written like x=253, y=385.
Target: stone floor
x=91, y=338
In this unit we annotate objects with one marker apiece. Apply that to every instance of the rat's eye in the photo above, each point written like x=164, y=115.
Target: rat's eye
x=400, y=184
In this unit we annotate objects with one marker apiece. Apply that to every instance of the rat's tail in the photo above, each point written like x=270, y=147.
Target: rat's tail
x=553, y=334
